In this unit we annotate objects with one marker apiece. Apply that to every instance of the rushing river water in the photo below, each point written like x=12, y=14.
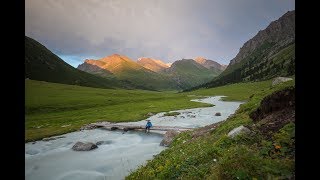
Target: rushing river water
x=121, y=153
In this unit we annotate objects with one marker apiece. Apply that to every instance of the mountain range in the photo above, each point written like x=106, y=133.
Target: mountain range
x=153, y=74
x=115, y=71
x=270, y=53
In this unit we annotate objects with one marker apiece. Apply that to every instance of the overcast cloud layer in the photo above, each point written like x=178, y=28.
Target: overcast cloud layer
x=163, y=29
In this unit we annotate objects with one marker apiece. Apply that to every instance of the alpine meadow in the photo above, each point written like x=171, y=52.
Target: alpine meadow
x=214, y=80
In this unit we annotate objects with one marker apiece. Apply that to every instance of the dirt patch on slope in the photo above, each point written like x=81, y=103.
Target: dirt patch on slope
x=275, y=111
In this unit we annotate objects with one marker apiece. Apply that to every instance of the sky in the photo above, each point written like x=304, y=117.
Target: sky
x=168, y=30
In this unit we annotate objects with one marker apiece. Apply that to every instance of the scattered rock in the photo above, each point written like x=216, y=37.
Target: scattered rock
x=279, y=80
x=52, y=138
x=239, y=130
x=104, y=142
x=80, y=146
x=88, y=127
x=114, y=128
x=150, y=114
x=168, y=137
x=128, y=129
x=32, y=151
x=218, y=114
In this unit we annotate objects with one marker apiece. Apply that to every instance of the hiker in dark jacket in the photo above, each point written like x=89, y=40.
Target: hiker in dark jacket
x=148, y=126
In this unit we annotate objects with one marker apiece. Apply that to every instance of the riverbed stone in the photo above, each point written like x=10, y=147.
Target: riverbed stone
x=168, y=137
x=80, y=146
x=239, y=130
x=114, y=128
x=52, y=138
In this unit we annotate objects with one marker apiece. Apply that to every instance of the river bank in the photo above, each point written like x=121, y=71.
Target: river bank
x=122, y=152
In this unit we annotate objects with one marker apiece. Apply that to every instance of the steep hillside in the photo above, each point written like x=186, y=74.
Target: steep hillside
x=188, y=73
x=152, y=64
x=127, y=70
x=210, y=64
x=41, y=64
x=266, y=150
x=268, y=54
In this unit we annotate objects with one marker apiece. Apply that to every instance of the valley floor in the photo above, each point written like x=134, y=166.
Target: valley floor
x=53, y=109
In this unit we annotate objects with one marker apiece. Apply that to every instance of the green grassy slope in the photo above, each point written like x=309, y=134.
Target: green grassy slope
x=42, y=64
x=188, y=73
x=259, y=66
x=49, y=106
x=148, y=80
x=215, y=156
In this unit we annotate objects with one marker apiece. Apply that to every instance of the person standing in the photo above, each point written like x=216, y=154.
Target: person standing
x=148, y=126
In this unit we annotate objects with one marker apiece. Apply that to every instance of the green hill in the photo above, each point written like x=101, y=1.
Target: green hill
x=188, y=73
x=41, y=64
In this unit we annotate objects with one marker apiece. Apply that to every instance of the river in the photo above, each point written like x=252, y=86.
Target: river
x=121, y=153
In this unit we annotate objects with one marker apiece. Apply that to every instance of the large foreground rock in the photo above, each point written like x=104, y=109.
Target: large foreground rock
x=279, y=80
x=168, y=137
x=239, y=130
x=80, y=146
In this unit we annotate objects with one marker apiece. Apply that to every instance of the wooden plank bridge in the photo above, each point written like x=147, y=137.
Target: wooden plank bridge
x=127, y=127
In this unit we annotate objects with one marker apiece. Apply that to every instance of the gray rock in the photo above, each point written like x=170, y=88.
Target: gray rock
x=80, y=146
x=218, y=114
x=239, y=130
x=52, y=138
x=279, y=80
x=168, y=137
x=103, y=142
x=32, y=151
x=114, y=128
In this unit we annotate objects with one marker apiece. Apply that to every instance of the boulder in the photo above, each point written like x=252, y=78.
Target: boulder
x=239, y=130
x=150, y=114
x=80, y=146
x=279, y=80
x=168, y=137
x=218, y=114
x=114, y=128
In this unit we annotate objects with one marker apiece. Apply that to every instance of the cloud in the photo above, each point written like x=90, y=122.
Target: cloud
x=162, y=29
